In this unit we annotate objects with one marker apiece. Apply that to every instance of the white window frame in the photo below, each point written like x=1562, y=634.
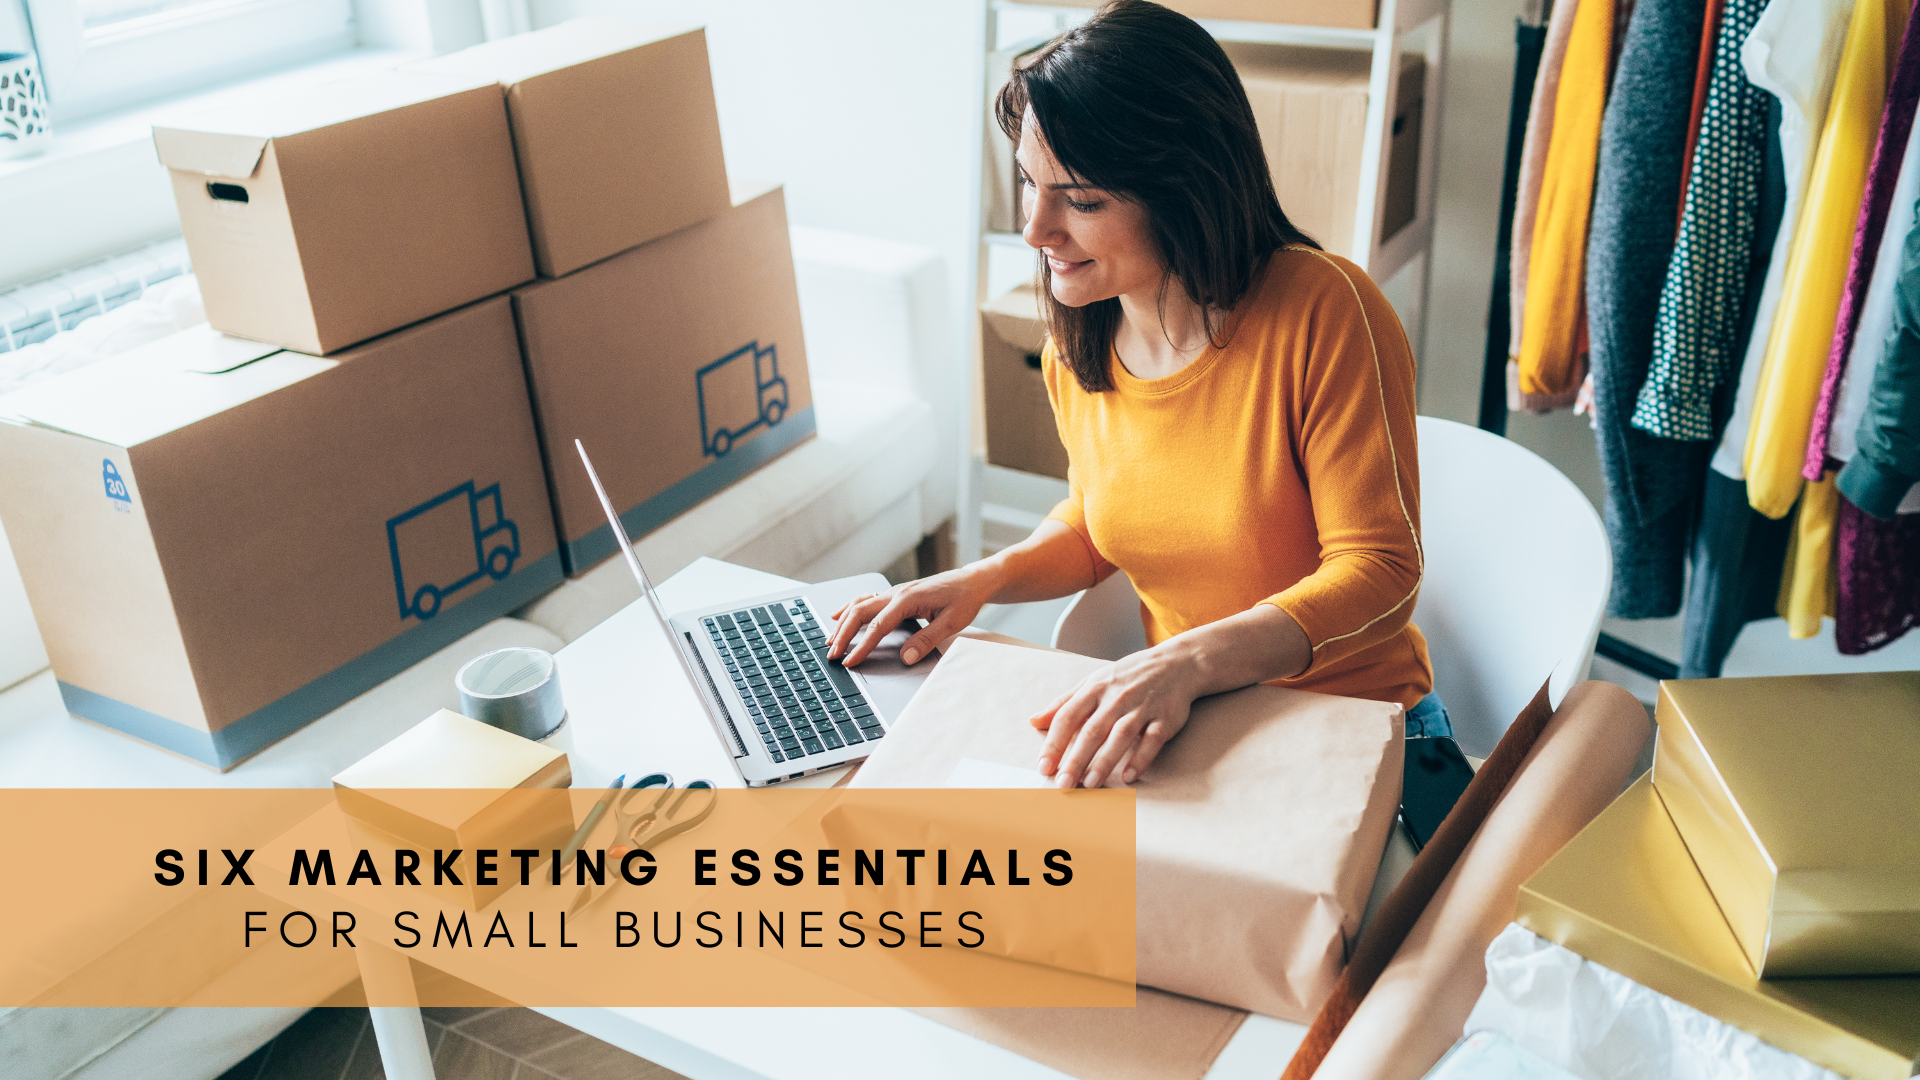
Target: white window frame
x=162, y=55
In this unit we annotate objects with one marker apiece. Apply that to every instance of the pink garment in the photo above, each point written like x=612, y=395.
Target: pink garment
x=1896, y=124
x=1879, y=579
x=1533, y=160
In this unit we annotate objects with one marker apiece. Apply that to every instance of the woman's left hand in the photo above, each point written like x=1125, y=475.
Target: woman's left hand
x=1117, y=719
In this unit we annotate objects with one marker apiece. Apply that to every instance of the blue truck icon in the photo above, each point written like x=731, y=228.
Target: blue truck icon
x=737, y=393
x=446, y=543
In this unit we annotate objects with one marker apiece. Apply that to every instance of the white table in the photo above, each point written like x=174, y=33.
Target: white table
x=631, y=712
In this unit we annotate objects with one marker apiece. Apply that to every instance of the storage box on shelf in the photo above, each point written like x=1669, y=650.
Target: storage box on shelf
x=1626, y=894
x=680, y=364
x=321, y=220
x=1021, y=433
x=615, y=130
x=223, y=541
x=1311, y=106
x=1796, y=798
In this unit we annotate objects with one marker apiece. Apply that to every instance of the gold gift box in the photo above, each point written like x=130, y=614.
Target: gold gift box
x=453, y=782
x=1626, y=895
x=1799, y=798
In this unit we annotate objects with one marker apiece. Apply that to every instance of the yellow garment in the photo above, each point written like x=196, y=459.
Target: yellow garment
x=1280, y=467
x=1810, y=581
x=1551, y=341
x=1802, y=335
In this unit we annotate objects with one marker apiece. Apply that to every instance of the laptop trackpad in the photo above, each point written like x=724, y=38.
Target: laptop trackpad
x=891, y=682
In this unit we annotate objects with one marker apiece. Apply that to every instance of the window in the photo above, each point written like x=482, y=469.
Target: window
x=101, y=55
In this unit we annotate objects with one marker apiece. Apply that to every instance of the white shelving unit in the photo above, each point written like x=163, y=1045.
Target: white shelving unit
x=1403, y=26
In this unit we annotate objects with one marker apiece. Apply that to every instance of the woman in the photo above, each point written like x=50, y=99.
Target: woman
x=1237, y=407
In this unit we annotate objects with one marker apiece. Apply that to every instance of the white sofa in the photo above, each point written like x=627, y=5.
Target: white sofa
x=880, y=475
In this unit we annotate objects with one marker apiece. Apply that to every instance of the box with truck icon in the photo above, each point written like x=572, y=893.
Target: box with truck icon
x=679, y=364
x=223, y=540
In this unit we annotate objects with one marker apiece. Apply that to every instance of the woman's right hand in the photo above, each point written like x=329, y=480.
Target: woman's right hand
x=948, y=602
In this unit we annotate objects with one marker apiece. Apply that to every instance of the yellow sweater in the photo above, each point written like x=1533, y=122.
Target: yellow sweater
x=1278, y=469
x=1552, y=359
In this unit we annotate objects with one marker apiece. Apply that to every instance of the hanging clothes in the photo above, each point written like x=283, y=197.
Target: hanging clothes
x=1528, y=41
x=1886, y=465
x=1650, y=482
x=1884, y=175
x=1876, y=310
x=1533, y=162
x=1695, y=340
x=1734, y=567
x=1795, y=360
x=1551, y=363
x=1793, y=54
x=1702, y=80
x=1879, y=579
x=1788, y=389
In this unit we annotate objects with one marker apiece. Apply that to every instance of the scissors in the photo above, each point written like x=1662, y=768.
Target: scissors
x=645, y=820
x=640, y=820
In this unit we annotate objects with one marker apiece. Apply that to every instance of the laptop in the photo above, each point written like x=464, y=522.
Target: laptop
x=759, y=667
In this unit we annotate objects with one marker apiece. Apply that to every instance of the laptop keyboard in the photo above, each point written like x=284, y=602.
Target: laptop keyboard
x=801, y=703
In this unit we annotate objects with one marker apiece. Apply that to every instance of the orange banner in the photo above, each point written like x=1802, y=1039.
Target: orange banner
x=769, y=897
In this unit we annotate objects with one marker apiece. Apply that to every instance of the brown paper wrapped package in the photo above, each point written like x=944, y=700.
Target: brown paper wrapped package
x=1259, y=827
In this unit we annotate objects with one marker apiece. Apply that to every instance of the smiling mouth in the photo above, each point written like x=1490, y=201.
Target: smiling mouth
x=1062, y=266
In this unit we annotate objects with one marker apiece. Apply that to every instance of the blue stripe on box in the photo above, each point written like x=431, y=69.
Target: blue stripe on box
x=270, y=723
x=585, y=553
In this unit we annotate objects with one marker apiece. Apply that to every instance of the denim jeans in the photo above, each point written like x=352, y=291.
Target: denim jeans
x=1429, y=718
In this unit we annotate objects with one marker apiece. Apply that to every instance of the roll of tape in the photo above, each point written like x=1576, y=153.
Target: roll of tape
x=515, y=689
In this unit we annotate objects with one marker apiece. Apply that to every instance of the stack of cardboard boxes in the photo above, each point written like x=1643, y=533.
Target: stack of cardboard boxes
x=1767, y=872
x=422, y=287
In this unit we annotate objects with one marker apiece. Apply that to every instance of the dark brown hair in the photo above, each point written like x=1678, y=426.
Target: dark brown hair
x=1141, y=102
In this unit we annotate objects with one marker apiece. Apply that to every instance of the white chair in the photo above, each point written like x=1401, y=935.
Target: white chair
x=1517, y=574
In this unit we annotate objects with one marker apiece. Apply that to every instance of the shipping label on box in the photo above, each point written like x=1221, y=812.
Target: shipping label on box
x=615, y=130
x=223, y=541
x=679, y=364
x=323, y=219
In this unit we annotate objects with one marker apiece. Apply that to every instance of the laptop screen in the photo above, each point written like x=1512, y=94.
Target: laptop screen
x=646, y=588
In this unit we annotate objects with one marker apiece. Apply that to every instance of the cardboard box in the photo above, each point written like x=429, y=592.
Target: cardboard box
x=453, y=782
x=223, y=541
x=680, y=365
x=1797, y=797
x=1626, y=895
x=1311, y=107
x=615, y=130
x=1021, y=430
x=1351, y=14
x=321, y=220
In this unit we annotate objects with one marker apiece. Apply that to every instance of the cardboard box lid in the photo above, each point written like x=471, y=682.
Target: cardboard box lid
x=1796, y=796
x=446, y=775
x=228, y=141
x=160, y=387
x=523, y=56
x=1014, y=316
x=448, y=750
x=1625, y=894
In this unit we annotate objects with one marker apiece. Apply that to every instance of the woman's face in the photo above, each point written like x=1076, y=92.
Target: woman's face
x=1096, y=244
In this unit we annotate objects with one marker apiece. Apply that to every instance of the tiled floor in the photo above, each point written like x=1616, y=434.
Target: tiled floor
x=467, y=1044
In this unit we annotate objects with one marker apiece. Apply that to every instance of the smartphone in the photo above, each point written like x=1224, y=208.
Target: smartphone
x=1436, y=773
